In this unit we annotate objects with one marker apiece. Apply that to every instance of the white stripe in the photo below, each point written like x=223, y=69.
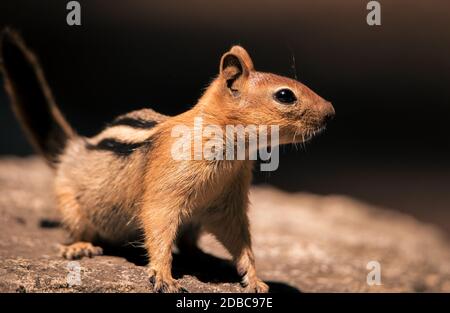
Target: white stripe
x=124, y=133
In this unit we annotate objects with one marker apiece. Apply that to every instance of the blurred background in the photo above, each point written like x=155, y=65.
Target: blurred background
x=389, y=143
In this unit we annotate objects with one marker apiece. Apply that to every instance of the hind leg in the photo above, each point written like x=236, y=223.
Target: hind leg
x=79, y=250
x=81, y=230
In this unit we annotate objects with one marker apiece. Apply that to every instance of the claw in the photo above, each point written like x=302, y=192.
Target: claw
x=164, y=284
x=79, y=250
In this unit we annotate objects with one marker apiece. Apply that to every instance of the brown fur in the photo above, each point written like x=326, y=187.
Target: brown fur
x=115, y=198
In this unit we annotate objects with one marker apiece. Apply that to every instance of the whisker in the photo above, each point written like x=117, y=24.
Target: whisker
x=295, y=143
x=294, y=66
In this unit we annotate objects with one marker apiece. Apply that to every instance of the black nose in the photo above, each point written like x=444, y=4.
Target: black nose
x=327, y=111
x=330, y=116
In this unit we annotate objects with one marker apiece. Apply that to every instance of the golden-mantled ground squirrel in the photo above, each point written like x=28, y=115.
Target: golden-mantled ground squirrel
x=123, y=185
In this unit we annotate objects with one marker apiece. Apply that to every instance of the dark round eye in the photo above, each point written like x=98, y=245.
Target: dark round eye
x=285, y=96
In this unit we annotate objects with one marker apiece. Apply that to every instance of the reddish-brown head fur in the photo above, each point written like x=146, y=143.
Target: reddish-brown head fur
x=242, y=95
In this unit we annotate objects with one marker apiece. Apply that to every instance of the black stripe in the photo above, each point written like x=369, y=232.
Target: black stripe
x=117, y=147
x=134, y=122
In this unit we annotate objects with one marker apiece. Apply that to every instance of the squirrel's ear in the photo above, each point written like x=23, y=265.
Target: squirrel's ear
x=235, y=67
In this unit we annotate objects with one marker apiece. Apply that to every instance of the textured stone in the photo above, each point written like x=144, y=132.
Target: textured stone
x=302, y=242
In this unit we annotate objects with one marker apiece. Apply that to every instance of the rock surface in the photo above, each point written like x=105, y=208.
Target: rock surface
x=302, y=242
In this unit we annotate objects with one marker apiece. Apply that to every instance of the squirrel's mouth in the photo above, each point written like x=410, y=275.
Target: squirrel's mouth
x=315, y=132
x=306, y=135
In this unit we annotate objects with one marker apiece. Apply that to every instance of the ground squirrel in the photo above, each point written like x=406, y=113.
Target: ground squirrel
x=122, y=184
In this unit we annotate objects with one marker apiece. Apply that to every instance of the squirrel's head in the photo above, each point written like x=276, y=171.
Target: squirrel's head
x=245, y=96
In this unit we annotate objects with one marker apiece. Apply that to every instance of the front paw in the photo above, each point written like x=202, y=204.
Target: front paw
x=255, y=285
x=162, y=284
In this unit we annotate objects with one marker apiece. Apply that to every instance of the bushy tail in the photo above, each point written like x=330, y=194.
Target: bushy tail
x=31, y=98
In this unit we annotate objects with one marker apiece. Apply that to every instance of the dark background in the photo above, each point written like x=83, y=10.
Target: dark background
x=389, y=144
